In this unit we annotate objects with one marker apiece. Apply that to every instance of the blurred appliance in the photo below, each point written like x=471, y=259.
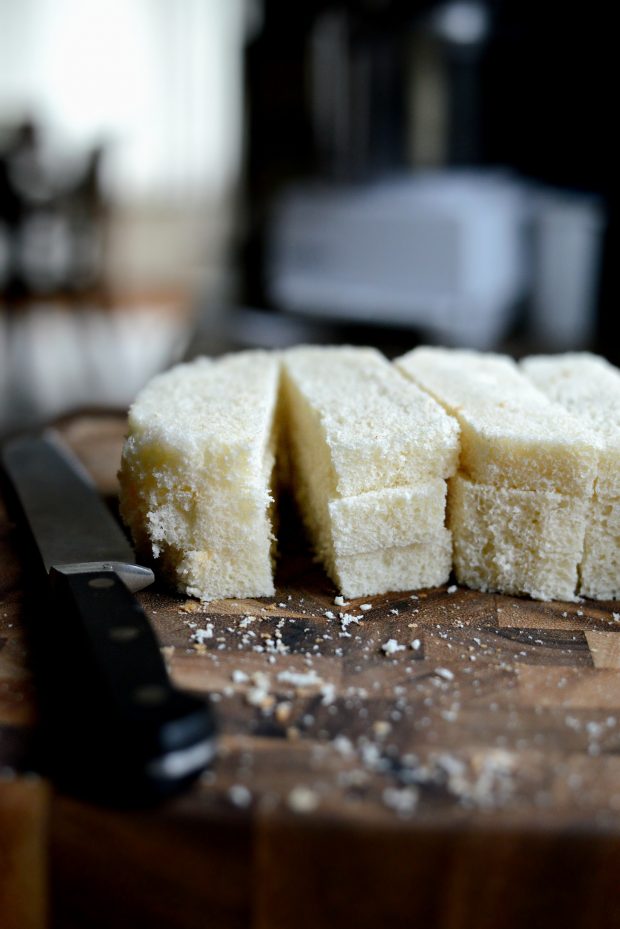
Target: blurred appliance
x=420, y=165
x=451, y=253
x=567, y=245
x=442, y=252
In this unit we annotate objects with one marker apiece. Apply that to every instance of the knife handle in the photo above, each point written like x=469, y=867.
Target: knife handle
x=128, y=733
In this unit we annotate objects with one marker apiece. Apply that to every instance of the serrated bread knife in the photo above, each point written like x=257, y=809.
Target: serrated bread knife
x=115, y=726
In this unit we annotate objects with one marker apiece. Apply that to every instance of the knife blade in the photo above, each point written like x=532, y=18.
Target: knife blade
x=115, y=727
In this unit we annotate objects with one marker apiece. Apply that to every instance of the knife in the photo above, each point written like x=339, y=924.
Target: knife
x=114, y=726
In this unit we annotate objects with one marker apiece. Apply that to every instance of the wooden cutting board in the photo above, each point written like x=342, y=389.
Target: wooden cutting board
x=469, y=780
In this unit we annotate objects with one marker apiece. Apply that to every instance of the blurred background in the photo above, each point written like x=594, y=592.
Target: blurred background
x=203, y=175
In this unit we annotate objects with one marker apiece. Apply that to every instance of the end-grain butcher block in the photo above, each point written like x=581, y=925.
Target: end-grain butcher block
x=438, y=758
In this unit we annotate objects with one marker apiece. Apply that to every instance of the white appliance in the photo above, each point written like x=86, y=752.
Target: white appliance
x=442, y=252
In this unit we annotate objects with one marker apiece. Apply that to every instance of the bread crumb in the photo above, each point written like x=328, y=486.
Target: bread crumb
x=403, y=800
x=191, y=606
x=300, y=678
x=381, y=728
x=445, y=673
x=416, y=645
x=239, y=796
x=303, y=800
x=259, y=694
x=365, y=607
x=452, y=589
x=328, y=694
x=391, y=647
x=239, y=677
x=263, y=701
x=343, y=745
x=283, y=711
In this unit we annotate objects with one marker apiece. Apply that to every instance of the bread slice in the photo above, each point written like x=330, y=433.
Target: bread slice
x=363, y=427
x=407, y=567
x=600, y=567
x=511, y=434
x=589, y=387
x=196, y=474
x=366, y=522
x=387, y=518
x=370, y=454
x=516, y=541
x=517, y=510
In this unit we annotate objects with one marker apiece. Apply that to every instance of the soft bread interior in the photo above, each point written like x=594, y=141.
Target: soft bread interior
x=518, y=509
x=370, y=450
x=196, y=474
x=589, y=388
x=371, y=485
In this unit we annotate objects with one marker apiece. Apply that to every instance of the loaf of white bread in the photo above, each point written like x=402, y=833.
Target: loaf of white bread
x=369, y=456
x=589, y=388
x=196, y=474
x=518, y=506
x=531, y=464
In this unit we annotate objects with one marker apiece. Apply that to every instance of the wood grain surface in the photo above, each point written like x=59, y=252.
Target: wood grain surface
x=470, y=779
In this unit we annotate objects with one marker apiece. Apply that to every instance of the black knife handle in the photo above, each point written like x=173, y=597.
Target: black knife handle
x=127, y=732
